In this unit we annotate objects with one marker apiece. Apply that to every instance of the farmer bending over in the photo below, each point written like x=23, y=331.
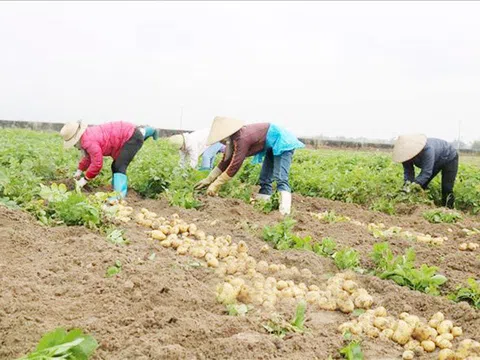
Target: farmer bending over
x=192, y=145
x=120, y=140
x=268, y=142
x=432, y=156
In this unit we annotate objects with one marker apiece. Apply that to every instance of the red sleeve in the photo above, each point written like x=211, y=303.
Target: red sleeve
x=84, y=163
x=96, y=161
x=222, y=165
x=238, y=156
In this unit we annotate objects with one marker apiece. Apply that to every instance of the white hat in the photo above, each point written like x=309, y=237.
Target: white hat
x=223, y=127
x=72, y=132
x=408, y=146
x=177, y=141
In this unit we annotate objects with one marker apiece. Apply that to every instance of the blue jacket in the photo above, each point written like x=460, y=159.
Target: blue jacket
x=434, y=156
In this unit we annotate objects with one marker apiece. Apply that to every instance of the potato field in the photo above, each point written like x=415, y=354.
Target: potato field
x=360, y=270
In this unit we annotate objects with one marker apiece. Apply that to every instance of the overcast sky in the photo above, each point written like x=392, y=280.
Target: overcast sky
x=373, y=69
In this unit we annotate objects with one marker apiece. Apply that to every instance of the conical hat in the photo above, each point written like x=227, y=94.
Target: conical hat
x=223, y=127
x=408, y=146
x=72, y=132
x=177, y=141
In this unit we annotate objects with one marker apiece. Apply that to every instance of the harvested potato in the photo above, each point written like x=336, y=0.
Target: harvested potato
x=444, y=327
x=350, y=286
x=472, y=246
x=386, y=334
x=408, y=355
x=403, y=333
x=421, y=332
x=345, y=306
x=444, y=344
x=412, y=320
x=166, y=243
x=158, y=235
x=363, y=301
x=242, y=247
x=306, y=273
x=381, y=323
x=457, y=331
x=428, y=345
x=226, y=294
x=380, y=311
x=446, y=354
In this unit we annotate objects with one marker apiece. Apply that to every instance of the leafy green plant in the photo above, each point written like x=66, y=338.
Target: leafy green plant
x=184, y=198
x=347, y=259
x=279, y=327
x=401, y=269
x=115, y=269
x=237, y=309
x=282, y=237
x=267, y=206
x=59, y=344
x=326, y=247
x=352, y=351
x=469, y=293
x=116, y=236
x=437, y=216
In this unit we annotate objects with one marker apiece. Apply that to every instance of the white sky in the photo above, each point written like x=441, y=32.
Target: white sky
x=373, y=69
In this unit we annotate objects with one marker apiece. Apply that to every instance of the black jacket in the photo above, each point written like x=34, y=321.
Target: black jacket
x=434, y=156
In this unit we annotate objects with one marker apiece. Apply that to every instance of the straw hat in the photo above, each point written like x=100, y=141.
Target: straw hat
x=177, y=141
x=408, y=146
x=72, y=132
x=223, y=127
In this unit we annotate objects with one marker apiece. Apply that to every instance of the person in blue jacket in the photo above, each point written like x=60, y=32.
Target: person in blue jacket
x=208, y=156
x=431, y=156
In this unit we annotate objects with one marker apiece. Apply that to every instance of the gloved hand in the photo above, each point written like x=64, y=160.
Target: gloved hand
x=82, y=182
x=217, y=184
x=215, y=173
x=77, y=174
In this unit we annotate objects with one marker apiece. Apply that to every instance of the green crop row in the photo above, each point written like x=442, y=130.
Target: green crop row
x=29, y=158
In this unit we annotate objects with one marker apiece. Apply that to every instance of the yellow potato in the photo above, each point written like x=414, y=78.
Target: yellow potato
x=444, y=327
x=380, y=311
x=345, y=306
x=421, y=332
x=428, y=345
x=446, y=354
x=403, y=333
x=408, y=355
x=158, y=235
x=457, y=331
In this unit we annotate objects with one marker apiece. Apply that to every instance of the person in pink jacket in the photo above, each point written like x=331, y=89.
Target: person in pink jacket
x=120, y=140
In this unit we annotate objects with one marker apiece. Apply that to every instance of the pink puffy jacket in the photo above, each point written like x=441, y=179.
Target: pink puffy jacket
x=103, y=140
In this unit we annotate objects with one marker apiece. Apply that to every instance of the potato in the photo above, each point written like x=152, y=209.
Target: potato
x=183, y=228
x=197, y=252
x=444, y=327
x=350, y=286
x=428, y=345
x=438, y=316
x=403, y=315
x=312, y=297
x=282, y=267
x=381, y=323
x=386, y=334
x=412, y=345
x=363, y=301
x=158, y=235
x=200, y=235
x=466, y=344
x=457, y=331
x=313, y=288
x=472, y=246
x=226, y=294
x=444, y=344
x=380, y=311
x=265, y=248
x=403, y=333
x=446, y=336
x=306, y=273
x=345, y=306
x=213, y=262
x=346, y=326
x=372, y=332
x=262, y=267
x=421, y=332
x=408, y=355
x=273, y=268
x=446, y=354
x=242, y=247
x=412, y=320
x=166, y=243
x=327, y=304
x=223, y=252
x=182, y=250
x=282, y=285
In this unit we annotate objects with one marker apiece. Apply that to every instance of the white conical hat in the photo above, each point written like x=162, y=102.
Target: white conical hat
x=177, y=141
x=223, y=127
x=408, y=146
x=72, y=132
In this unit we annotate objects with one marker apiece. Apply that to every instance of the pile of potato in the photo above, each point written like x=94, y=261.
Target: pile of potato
x=247, y=280
x=415, y=335
x=123, y=213
x=468, y=246
x=380, y=230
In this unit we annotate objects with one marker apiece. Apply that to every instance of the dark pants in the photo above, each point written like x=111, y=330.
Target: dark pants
x=275, y=168
x=449, y=173
x=128, y=152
